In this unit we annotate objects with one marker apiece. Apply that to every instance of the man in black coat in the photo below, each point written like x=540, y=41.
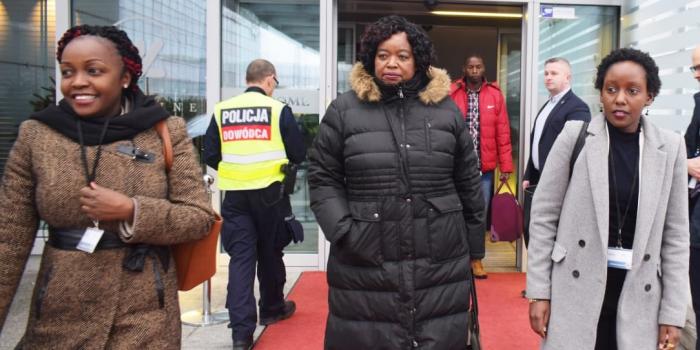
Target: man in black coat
x=563, y=105
x=692, y=143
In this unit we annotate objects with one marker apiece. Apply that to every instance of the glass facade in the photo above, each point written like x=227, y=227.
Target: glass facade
x=287, y=34
x=172, y=38
x=581, y=34
x=669, y=31
x=173, y=54
x=27, y=65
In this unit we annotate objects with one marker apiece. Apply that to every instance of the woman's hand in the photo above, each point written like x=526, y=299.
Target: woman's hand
x=694, y=167
x=100, y=203
x=504, y=176
x=539, y=317
x=668, y=336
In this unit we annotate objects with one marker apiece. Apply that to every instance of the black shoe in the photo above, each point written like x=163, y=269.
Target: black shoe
x=287, y=312
x=245, y=344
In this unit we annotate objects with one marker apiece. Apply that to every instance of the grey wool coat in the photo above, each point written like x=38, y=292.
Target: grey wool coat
x=567, y=257
x=89, y=301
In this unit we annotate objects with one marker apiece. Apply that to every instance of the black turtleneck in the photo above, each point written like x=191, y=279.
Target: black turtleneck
x=624, y=150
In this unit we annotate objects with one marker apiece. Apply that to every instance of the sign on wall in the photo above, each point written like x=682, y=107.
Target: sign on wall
x=558, y=12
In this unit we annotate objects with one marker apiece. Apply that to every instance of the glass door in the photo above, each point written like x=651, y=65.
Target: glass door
x=581, y=34
x=286, y=33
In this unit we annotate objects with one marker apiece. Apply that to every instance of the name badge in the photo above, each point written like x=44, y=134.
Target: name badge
x=90, y=239
x=620, y=258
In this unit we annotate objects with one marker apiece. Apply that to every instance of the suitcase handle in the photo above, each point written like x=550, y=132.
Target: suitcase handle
x=505, y=182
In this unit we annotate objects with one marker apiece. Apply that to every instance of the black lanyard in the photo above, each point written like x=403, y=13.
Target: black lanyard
x=621, y=219
x=83, y=153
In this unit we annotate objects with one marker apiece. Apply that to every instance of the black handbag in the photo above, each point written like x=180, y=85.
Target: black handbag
x=473, y=336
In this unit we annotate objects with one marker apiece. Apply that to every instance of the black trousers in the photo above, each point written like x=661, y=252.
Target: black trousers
x=254, y=233
x=695, y=285
x=606, y=338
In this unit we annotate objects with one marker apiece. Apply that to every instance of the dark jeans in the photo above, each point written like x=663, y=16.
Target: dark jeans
x=487, y=190
x=695, y=286
x=253, y=234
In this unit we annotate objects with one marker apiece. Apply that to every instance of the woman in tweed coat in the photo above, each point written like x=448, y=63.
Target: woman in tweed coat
x=95, y=159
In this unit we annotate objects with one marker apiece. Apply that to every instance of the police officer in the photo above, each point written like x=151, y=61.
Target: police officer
x=251, y=138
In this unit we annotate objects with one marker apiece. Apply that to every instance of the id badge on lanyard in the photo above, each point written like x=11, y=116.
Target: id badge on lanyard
x=92, y=235
x=620, y=258
x=90, y=239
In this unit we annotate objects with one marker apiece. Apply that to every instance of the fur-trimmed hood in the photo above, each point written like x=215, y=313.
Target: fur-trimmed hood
x=367, y=90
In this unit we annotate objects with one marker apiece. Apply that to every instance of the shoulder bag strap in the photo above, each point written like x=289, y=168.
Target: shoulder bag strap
x=162, y=129
x=580, y=142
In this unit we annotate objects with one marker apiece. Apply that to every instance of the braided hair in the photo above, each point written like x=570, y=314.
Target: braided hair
x=128, y=52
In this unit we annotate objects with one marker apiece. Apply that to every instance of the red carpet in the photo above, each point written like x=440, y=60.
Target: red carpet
x=305, y=329
x=502, y=315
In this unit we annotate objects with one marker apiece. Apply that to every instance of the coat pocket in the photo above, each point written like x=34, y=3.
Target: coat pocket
x=558, y=252
x=447, y=231
x=362, y=245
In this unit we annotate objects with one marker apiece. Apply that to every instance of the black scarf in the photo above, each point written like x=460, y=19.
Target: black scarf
x=144, y=114
x=410, y=88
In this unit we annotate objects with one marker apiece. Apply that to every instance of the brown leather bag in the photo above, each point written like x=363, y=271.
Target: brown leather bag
x=195, y=261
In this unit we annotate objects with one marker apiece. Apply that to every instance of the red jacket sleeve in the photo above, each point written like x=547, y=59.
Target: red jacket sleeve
x=505, y=155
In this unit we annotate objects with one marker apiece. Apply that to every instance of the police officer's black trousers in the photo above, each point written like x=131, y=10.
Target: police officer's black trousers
x=252, y=220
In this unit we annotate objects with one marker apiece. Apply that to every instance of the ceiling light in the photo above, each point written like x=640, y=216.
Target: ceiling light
x=477, y=14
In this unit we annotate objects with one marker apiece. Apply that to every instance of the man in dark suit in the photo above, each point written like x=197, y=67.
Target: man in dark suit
x=563, y=105
x=692, y=143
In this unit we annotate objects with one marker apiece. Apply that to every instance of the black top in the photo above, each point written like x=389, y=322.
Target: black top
x=623, y=165
x=291, y=137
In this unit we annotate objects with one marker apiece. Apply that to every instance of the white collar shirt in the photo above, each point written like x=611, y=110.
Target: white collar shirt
x=540, y=122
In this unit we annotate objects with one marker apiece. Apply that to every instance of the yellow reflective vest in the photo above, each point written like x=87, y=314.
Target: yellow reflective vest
x=252, y=151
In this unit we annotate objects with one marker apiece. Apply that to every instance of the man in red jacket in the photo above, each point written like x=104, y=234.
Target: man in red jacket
x=484, y=110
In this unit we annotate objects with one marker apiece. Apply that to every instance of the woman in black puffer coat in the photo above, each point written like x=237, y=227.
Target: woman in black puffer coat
x=396, y=190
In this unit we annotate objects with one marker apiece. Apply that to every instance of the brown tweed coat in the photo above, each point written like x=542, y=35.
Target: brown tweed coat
x=88, y=301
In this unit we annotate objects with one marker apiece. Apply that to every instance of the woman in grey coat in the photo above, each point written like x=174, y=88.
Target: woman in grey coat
x=608, y=254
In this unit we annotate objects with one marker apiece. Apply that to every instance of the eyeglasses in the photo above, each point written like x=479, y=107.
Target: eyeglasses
x=695, y=68
x=277, y=82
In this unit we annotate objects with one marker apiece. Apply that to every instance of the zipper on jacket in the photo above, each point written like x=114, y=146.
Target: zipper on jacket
x=428, y=146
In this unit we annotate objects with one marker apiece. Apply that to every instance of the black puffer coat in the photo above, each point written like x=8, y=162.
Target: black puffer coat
x=396, y=190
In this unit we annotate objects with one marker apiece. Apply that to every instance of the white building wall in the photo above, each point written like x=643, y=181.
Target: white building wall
x=668, y=30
